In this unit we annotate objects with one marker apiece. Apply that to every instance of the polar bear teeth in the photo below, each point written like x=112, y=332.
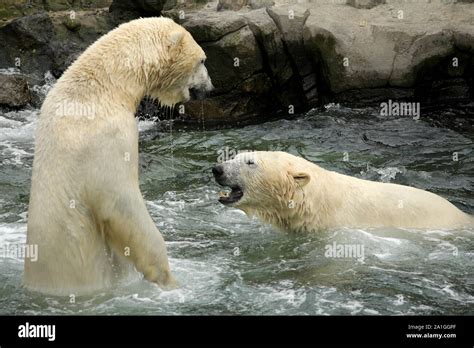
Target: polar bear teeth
x=231, y=197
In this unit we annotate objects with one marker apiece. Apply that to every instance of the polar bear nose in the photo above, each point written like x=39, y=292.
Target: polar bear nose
x=218, y=170
x=198, y=93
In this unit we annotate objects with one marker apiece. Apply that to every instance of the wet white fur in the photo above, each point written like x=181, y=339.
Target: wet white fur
x=296, y=195
x=86, y=211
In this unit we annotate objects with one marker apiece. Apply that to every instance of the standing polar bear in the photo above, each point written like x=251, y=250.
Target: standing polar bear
x=296, y=195
x=86, y=211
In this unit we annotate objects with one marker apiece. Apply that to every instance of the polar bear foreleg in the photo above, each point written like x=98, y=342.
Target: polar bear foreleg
x=131, y=231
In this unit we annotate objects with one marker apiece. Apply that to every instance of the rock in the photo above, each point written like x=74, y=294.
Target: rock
x=148, y=8
x=197, y=4
x=365, y=4
x=14, y=92
x=242, y=90
x=290, y=21
x=57, y=5
x=231, y=49
x=296, y=53
x=464, y=37
x=249, y=102
x=366, y=50
x=169, y=4
x=232, y=59
x=424, y=52
x=24, y=43
x=143, y=7
x=44, y=42
x=11, y=9
x=348, y=58
x=91, y=4
x=64, y=5
x=233, y=5
x=278, y=63
x=249, y=65
x=256, y=4
x=270, y=40
x=208, y=26
x=68, y=44
x=71, y=24
x=236, y=5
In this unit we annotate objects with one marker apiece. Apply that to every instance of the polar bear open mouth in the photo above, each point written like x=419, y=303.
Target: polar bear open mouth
x=231, y=197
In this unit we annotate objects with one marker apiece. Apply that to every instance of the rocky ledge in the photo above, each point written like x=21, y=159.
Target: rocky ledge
x=268, y=58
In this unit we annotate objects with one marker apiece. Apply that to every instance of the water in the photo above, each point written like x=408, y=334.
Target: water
x=227, y=263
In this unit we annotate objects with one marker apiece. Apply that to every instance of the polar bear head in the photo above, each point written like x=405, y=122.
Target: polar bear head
x=270, y=185
x=165, y=58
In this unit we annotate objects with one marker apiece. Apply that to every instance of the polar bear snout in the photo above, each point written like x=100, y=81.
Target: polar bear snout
x=227, y=173
x=222, y=177
x=198, y=94
x=200, y=84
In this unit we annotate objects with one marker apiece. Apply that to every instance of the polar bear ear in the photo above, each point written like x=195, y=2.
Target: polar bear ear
x=176, y=37
x=301, y=178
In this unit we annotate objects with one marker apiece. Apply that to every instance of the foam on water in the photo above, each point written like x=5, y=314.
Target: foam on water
x=18, y=126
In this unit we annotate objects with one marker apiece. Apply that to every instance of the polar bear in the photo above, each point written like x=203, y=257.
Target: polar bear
x=295, y=195
x=86, y=212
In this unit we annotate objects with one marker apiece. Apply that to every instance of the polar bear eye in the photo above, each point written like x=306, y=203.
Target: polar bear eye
x=202, y=61
x=250, y=162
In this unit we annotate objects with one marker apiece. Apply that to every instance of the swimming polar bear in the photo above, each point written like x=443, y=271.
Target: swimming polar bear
x=295, y=195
